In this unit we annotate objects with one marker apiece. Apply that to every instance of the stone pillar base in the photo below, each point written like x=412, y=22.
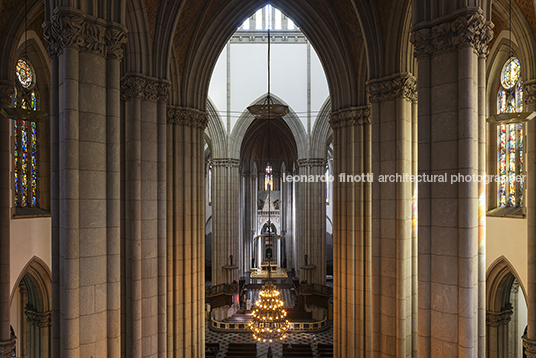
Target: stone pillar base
x=7, y=348
x=529, y=346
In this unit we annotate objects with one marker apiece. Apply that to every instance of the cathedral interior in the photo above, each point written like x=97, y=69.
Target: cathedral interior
x=197, y=178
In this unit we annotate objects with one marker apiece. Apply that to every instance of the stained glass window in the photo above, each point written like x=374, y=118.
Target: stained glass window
x=510, y=137
x=25, y=140
x=24, y=73
x=511, y=73
x=268, y=178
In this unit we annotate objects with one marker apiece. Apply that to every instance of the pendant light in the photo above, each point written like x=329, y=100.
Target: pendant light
x=269, y=316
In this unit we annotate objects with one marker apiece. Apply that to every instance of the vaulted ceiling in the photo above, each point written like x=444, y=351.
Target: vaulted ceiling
x=269, y=141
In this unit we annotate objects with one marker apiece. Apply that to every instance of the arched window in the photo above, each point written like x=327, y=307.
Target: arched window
x=25, y=145
x=268, y=178
x=510, y=149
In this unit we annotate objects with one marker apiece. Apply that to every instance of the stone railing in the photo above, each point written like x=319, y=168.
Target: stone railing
x=295, y=327
x=309, y=289
x=224, y=288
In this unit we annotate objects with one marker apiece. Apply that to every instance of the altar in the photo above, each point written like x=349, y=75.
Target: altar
x=262, y=272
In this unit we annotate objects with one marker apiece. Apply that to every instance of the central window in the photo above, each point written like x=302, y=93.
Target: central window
x=268, y=178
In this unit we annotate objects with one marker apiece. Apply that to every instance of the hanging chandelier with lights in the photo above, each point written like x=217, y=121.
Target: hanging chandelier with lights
x=269, y=316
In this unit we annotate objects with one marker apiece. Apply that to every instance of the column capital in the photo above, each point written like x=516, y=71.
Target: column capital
x=40, y=319
x=311, y=162
x=7, y=348
x=189, y=117
x=116, y=36
x=135, y=85
x=530, y=347
x=496, y=319
x=400, y=85
x=226, y=162
x=466, y=27
x=70, y=27
x=7, y=91
x=355, y=116
x=529, y=91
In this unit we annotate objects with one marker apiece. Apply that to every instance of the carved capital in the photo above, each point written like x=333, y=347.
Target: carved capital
x=496, y=319
x=69, y=27
x=188, y=117
x=311, y=162
x=401, y=86
x=226, y=162
x=529, y=91
x=115, y=38
x=7, y=92
x=143, y=87
x=40, y=319
x=163, y=89
x=530, y=347
x=468, y=29
x=355, y=116
x=7, y=348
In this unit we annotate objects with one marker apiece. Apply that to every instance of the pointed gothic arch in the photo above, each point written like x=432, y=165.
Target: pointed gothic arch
x=246, y=119
x=33, y=298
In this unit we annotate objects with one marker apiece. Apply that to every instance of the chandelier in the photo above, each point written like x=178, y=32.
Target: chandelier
x=269, y=316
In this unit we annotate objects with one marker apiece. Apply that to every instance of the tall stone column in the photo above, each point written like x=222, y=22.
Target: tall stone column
x=247, y=206
x=393, y=253
x=84, y=140
x=225, y=221
x=185, y=250
x=312, y=221
x=145, y=202
x=7, y=342
x=450, y=233
x=352, y=228
x=529, y=99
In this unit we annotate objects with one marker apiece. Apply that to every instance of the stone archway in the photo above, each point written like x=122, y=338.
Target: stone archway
x=32, y=299
x=506, y=308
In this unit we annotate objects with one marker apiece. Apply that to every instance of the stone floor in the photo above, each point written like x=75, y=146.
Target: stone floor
x=325, y=337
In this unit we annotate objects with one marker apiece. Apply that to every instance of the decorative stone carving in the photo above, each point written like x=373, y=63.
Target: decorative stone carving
x=350, y=117
x=7, y=91
x=226, y=162
x=7, y=348
x=529, y=91
x=496, y=319
x=144, y=88
x=70, y=27
x=22, y=289
x=530, y=347
x=115, y=38
x=311, y=162
x=404, y=86
x=187, y=117
x=470, y=28
x=163, y=89
x=39, y=319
